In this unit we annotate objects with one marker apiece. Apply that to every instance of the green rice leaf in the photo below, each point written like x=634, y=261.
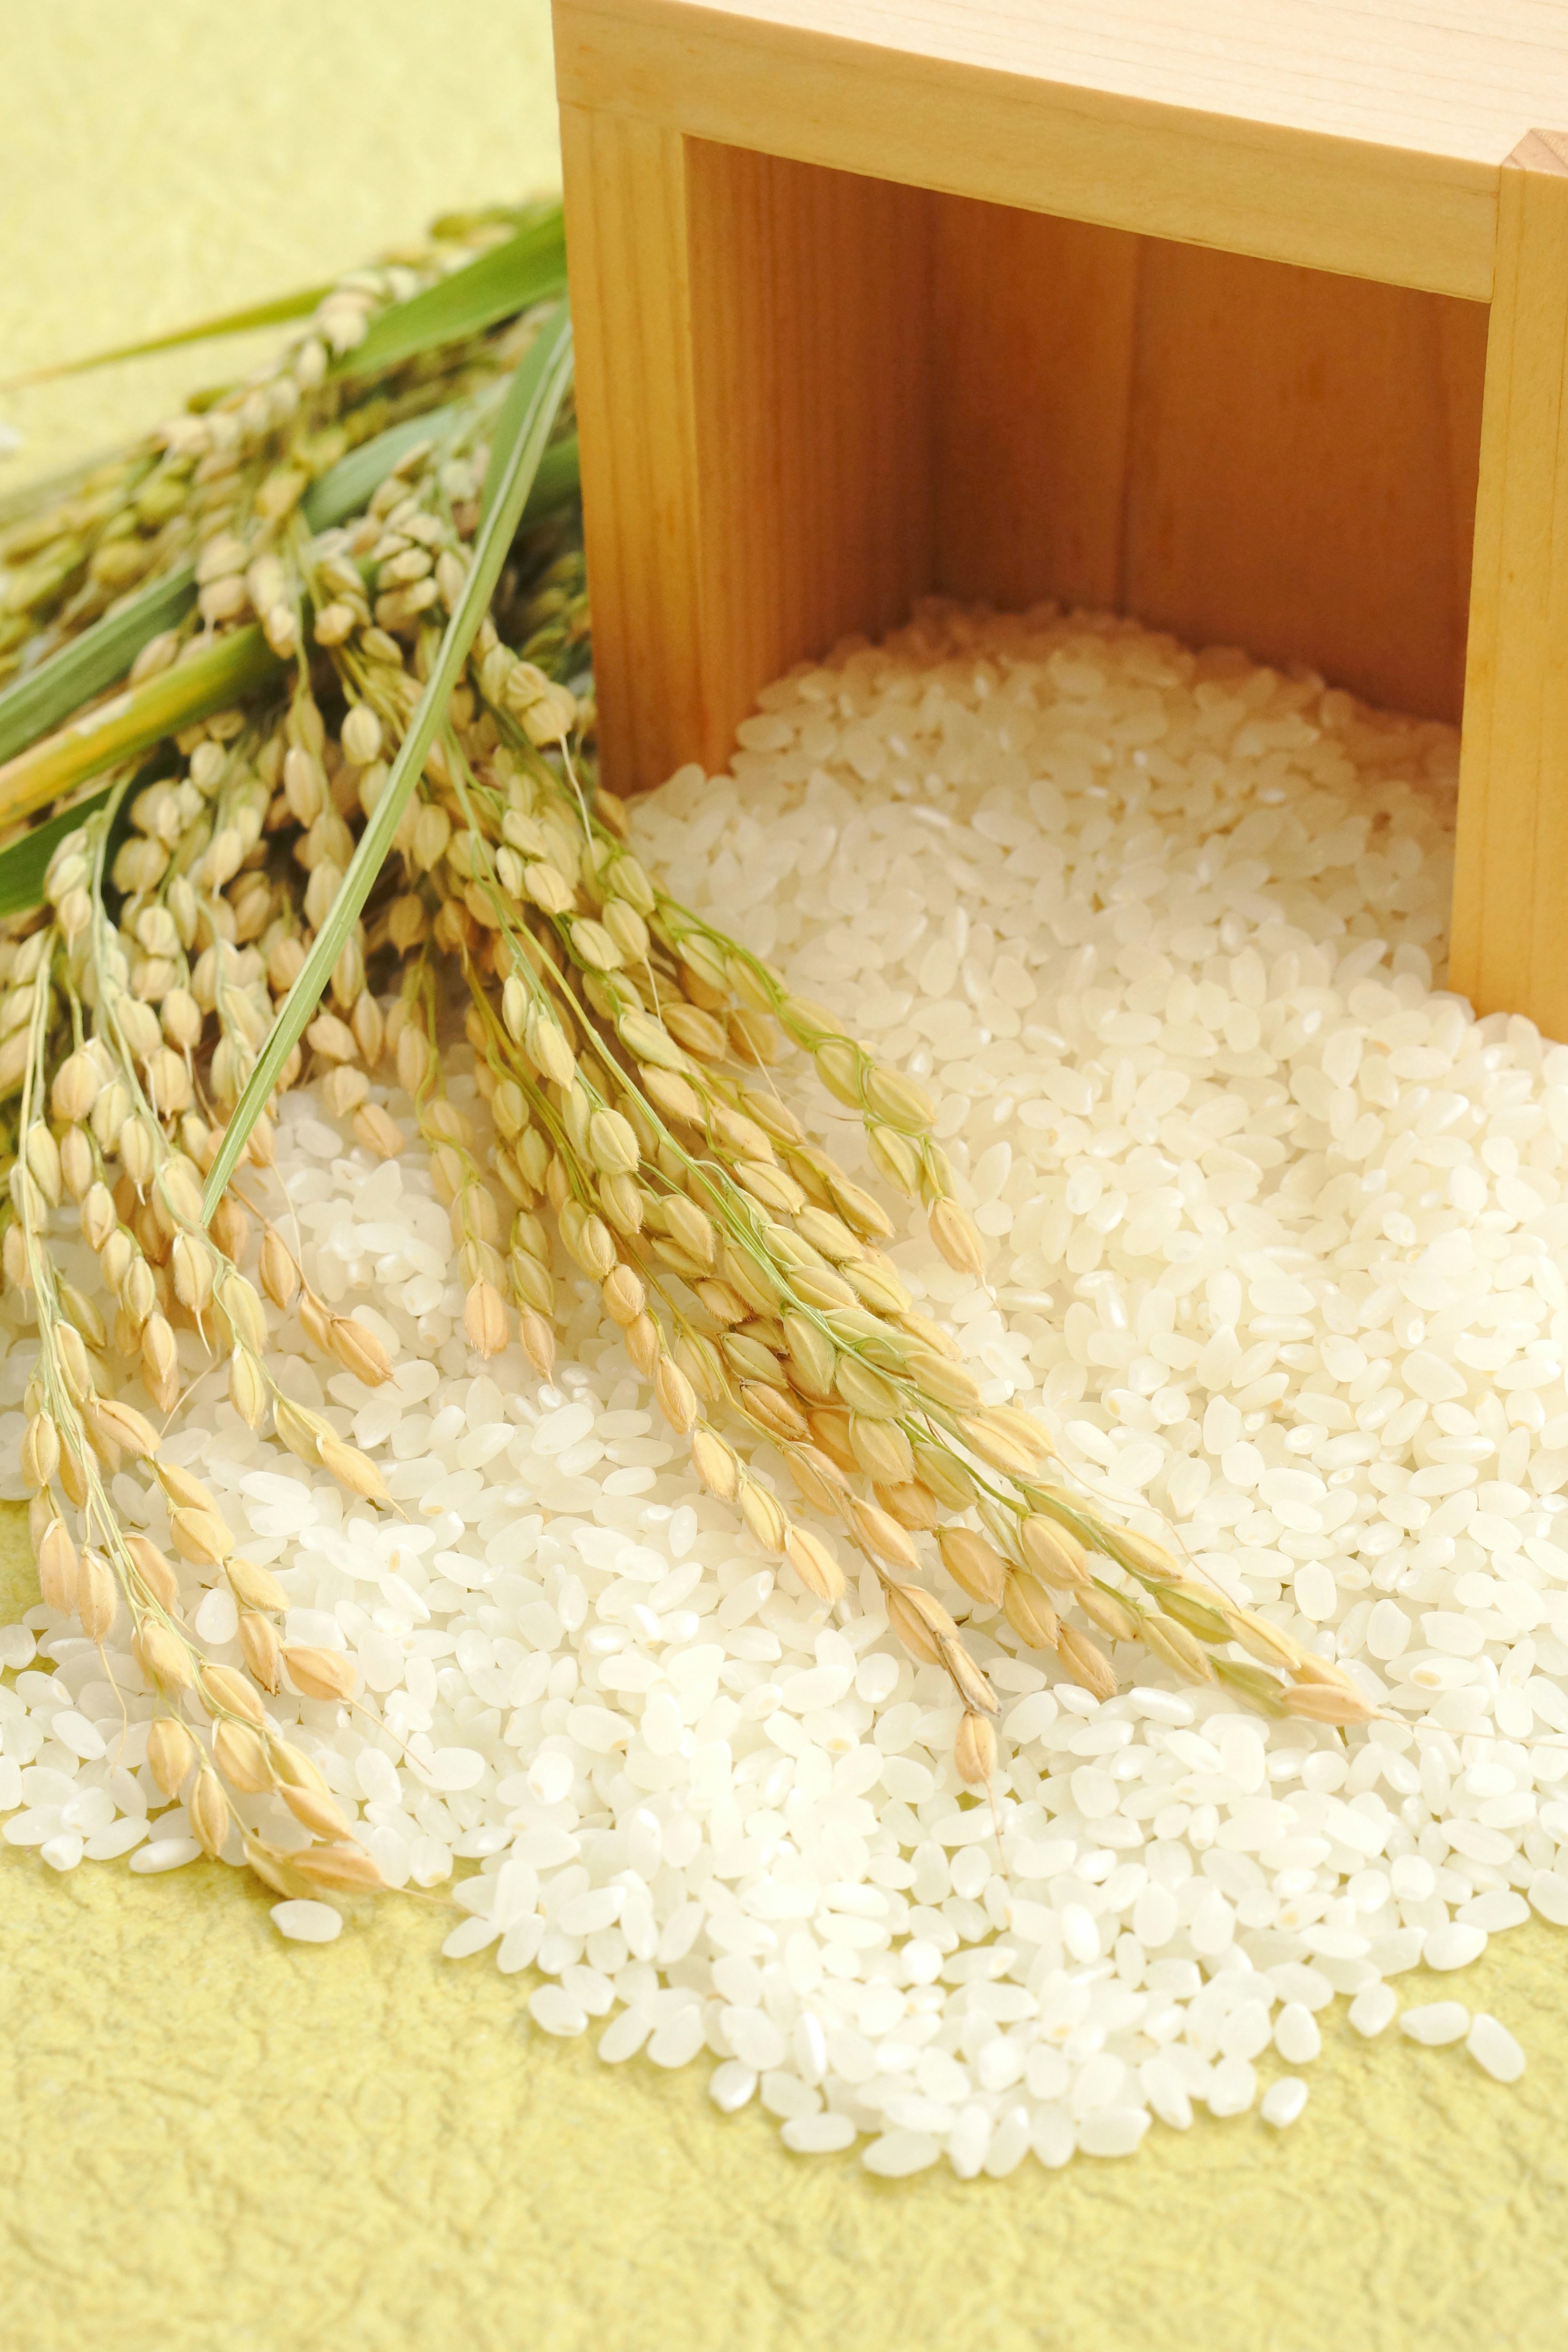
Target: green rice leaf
x=24, y=862
x=45, y=696
x=555, y=485
x=133, y=721
x=275, y=313
x=349, y=486
x=521, y=435
x=460, y=224
x=526, y=268
x=351, y=482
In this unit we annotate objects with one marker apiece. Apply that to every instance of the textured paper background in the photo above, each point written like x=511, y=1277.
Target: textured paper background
x=213, y=2141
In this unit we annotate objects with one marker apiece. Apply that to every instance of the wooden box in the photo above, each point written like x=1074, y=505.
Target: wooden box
x=1247, y=317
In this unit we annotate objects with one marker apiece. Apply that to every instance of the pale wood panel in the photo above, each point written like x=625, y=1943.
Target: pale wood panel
x=1459, y=78
x=1301, y=471
x=1232, y=449
x=1382, y=166
x=626, y=208
x=1035, y=323
x=810, y=310
x=752, y=382
x=1510, y=935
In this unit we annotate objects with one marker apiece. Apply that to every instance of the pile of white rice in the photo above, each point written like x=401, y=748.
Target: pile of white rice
x=1275, y=1225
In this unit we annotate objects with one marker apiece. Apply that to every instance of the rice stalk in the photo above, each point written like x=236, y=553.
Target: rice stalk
x=522, y=432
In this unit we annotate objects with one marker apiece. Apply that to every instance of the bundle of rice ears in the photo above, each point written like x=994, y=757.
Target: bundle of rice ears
x=299, y=732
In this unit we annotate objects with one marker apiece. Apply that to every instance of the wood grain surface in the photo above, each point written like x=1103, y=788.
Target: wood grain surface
x=1362, y=137
x=1510, y=890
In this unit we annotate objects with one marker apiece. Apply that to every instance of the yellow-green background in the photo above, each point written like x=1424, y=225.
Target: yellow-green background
x=211, y=2139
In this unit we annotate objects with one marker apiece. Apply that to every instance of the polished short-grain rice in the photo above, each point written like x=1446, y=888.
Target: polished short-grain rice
x=1276, y=1227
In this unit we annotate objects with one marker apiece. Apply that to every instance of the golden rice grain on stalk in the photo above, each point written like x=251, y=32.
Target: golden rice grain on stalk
x=378, y=1131
x=156, y=1573
x=271, y=1865
x=165, y=1658
x=763, y=1514
x=200, y=1537
x=815, y=1565
x=974, y=1749
x=485, y=1322
x=171, y=1753
x=908, y=1623
x=247, y=1388
x=319, y=1674
x=882, y=1535
x=208, y=1810
x=130, y=1431
x=1260, y=1639
x=1180, y=1650
x=1053, y=1555
x=241, y=1757
x=974, y=1565
x=225, y=1690
x=674, y=1396
x=820, y=1480
x=341, y=1869
x=351, y=1468
x=538, y=1342
x=314, y=1811
x=715, y=1463
x=96, y=1597
x=58, y=1567
x=1086, y=1662
x=952, y=1231
x=358, y=1350
x=261, y=1649
x=40, y=1450
x=1029, y=1610
x=1108, y=1613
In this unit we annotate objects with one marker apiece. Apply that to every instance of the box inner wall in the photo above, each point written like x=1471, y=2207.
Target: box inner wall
x=898, y=390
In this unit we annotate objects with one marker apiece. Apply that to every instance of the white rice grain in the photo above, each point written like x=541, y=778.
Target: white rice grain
x=1436, y=2023
x=1283, y=2101
x=1494, y=2049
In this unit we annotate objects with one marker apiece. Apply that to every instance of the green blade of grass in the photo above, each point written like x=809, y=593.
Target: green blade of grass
x=523, y=431
x=556, y=483
x=274, y=313
x=528, y=267
x=350, y=484
x=460, y=224
x=523, y=269
x=135, y=720
x=24, y=863
x=45, y=696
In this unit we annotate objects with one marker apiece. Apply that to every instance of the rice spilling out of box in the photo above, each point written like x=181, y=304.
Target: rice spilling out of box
x=1275, y=1227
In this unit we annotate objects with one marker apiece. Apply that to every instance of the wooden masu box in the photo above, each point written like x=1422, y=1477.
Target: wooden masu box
x=1247, y=317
